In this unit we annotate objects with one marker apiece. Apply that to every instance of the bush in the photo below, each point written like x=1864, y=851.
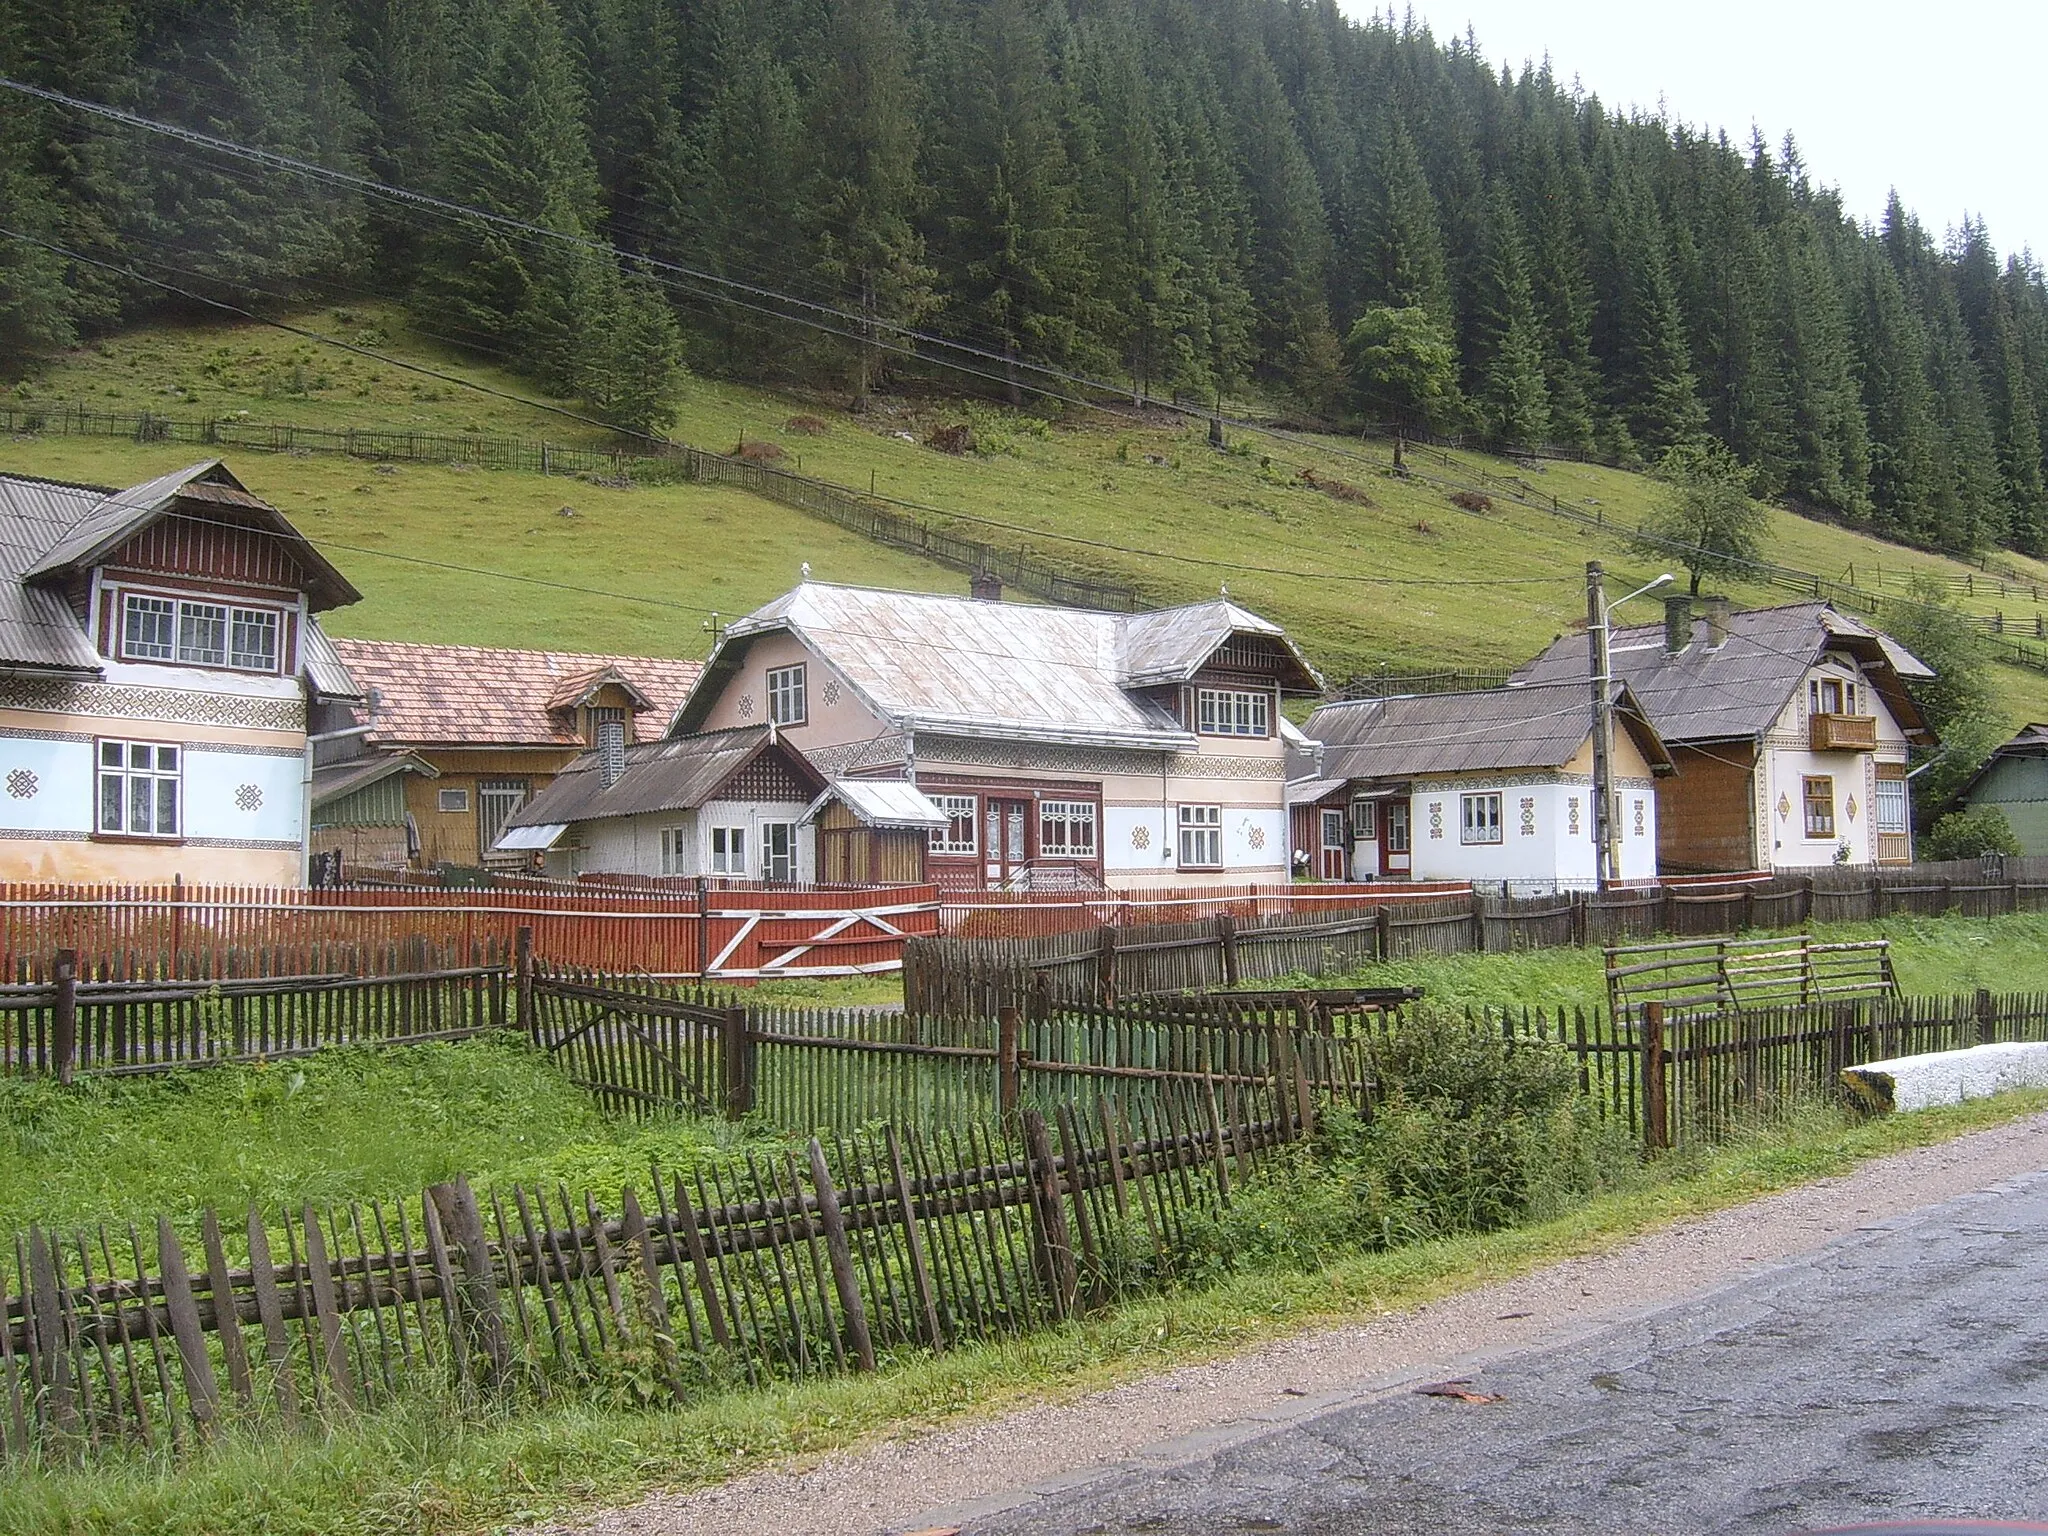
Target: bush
x=1971, y=834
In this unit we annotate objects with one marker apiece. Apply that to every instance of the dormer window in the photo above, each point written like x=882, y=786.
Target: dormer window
x=1232, y=712
x=199, y=634
x=786, y=695
x=608, y=736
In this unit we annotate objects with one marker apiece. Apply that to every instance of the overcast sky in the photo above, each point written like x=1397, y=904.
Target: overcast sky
x=1943, y=101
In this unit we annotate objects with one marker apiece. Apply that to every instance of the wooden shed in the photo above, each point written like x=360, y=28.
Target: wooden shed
x=873, y=832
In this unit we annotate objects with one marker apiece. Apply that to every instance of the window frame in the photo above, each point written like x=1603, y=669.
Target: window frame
x=234, y=618
x=1069, y=815
x=1486, y=829
x=730, y=860
x=1404, y=823
x=1199, y=825
x=1343, y=824
x=944, y=843
x=782, y=690
x=1892, y=793
x=1365, y=821
x=1245, y=713
x=1807, y=802
x=675, y=842
x=460, y=807
x=769, y=857
x=126, y=772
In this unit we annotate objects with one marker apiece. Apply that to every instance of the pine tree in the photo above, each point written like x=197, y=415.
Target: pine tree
x=1560, y=289
x=1905, y=491
x=1505, y=367
x=1405, y=249
x=1637, y=335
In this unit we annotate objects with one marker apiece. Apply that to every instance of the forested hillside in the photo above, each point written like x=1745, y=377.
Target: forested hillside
x=1203, y=199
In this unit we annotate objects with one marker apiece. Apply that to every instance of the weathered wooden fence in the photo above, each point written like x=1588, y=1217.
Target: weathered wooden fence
x=773, y=1266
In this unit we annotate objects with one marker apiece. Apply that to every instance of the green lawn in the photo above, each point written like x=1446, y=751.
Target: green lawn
x=1152, y=505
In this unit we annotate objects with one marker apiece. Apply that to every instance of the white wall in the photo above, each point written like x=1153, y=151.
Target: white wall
x=1789, y=761
x=55, y=790
x=631, y=845
x=243, y=796
x=1547, y=831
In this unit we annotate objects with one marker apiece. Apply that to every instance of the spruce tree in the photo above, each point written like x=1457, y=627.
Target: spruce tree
x=1505, y=368
x=1405, y=249
x=1648, y=374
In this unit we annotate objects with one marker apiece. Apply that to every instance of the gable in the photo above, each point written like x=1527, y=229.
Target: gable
x=769, y=777
x=208, y=549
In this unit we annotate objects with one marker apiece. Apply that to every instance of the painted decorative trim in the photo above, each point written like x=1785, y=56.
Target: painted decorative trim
x=127, y=701
x=266, y=844
x=248, y=797
x=38, y=835
x=1468, y=786
x=21, y=733
x=1027, y=759
x=236, y=749
x=22, y=784
x=1193, y=765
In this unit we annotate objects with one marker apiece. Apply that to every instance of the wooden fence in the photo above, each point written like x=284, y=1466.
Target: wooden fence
x=194, y=932
x=770, y=1267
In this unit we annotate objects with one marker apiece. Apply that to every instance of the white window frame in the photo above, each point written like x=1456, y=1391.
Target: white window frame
x=787, y=703
x=1233, y=712
x=675, y=850
x=238, y=623
x=159, y=611
x=453, y=802
x=959, y=810
x=1479, y=823
x=1201, y=836
x=786, y=860
x=1365, y=821
x=1894, y=817
x=1070, y=817
x=1341, y=822
x=728, y=851
x=161, y=763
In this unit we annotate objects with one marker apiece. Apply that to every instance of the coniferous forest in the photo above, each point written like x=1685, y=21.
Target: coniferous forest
x=1195, y=199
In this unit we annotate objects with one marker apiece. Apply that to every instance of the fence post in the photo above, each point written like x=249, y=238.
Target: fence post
x=1105, y=966
x=522, y=970
x=476, y=1293
x=1226, y=938
x=737, y=1046
x=1580, y=923
x=1009, y=1084
x=1053, y=1244
x=1656, y=1107
x=64, y=1014
x=1987, y=1017
x=703, y=929
x=1478, y=923
x=840, y=1252
x=1383, y=934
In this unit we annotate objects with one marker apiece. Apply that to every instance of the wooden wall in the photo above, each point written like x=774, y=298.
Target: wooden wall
x=1703, y=813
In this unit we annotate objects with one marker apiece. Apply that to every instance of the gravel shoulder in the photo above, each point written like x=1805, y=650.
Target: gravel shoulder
x=939, y=1477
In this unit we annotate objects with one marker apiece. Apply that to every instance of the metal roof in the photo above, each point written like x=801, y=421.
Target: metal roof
x=893, y=804
x=334, y=781
x=677, y=773
x=1739, y=689
x=1490, y=729
x=37, y=627
x=965, y=667
x=2029, y=743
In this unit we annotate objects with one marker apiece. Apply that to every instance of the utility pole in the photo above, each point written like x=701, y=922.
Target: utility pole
x=1604, y=874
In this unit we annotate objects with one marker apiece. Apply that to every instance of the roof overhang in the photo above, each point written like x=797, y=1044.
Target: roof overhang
x=337, y=781
x=530, y=839
x=886, y=804
x=983, y=730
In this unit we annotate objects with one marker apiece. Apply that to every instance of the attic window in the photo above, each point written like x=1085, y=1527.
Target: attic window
x=1230, y=712
x=199, y=634
x=608, y=735
x=786, y=695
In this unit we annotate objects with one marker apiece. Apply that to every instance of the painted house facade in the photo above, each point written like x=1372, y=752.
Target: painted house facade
x=1790, y=728
x=1064, y=748
x=2014, y=780
x=1493, y=786
x=450, y=740
x=160, y=657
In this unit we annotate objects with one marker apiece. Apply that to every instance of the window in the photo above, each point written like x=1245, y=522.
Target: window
x=608, y=735
x=778, y=848
x=496, y=800
x=786, y=695
x=454, y=800
x=1364, y=820
x=675, y=850
x=1066, y=829
x=139, y=789
x=1397, y=826
x=1891, y=808
x=1820, y=807
x=729, y=851
x=1201, y=837
x=1481, y=823
x=1333, y=829
x=958, y=837
x=1226, y=712
x=200, y=634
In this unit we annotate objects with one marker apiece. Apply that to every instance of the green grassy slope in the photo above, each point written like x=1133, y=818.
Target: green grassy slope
x=1148, y=504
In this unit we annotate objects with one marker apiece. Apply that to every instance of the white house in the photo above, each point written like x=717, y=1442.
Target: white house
x=1493, y=786
x=159, y=654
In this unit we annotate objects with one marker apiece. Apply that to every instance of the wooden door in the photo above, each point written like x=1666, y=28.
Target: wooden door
x=1394, y=832
x=1006, y=840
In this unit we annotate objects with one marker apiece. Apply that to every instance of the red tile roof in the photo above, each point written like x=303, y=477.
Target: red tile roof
x=462, y=694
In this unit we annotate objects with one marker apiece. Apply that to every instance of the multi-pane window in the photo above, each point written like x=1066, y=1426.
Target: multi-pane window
x=1397, y=826
x=1364, y=820
x=608, y=730
x=786, y=695
x=200, y=634
x=1201, y=837
x=1481, y=818
x=1066, y=829
x=959, y=835
x=675, y=850
x=1891, y=808
x=139, y=789
x=1229, y=712
x=1333, y=829
x=728, y=850
x=778, y=850
x=496, y=800
x=1819, y=795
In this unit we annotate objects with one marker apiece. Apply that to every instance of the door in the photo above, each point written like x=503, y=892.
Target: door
x=1394, y=856
x=778, y=851
x=1332, y=865
x=1007, y=824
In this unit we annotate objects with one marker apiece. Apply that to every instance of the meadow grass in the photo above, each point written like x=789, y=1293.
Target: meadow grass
x=428, y=1468
x=1146, y=503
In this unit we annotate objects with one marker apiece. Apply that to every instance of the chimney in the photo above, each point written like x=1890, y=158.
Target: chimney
x=1717, y=623
x=1677, y=624
x=985, y=586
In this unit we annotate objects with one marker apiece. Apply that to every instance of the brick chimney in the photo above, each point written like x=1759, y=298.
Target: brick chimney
x=985, y=587
x=1677, y=624
x=1717, y=623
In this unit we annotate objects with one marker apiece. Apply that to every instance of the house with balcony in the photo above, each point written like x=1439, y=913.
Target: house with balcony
x=1493, y=786
x=160, y=656
x=1789, y=727
x=1061, y=748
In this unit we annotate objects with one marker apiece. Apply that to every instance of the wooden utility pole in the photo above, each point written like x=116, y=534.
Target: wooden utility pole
x=1604, y=874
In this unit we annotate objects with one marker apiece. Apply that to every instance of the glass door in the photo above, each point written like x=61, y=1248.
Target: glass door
x=1007, y=824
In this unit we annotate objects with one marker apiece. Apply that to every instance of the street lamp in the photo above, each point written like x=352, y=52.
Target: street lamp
x=1606, y=857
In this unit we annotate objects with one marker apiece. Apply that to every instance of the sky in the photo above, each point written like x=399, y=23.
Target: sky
x=1941, y=101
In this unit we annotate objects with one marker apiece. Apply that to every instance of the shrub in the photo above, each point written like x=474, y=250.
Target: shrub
x=1472, y=501
x=954, y=439
x=1971, y=834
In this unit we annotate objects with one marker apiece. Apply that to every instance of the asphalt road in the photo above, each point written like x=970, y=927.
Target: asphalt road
x=1901, y=1373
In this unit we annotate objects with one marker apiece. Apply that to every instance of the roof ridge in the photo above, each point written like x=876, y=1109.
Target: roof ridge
x=69, y=485
x=602, y=658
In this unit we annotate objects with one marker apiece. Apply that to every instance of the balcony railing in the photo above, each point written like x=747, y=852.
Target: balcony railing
x=1844, y=733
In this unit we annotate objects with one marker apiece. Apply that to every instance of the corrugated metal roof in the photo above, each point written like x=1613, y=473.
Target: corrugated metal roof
x=1739, y=689
x=888, y=803
x=333, y=781
x=37, y=627
x=444, y=695
x=1309, y=791
x=1491, y=729
x=958, y=666
x=324, y=668
x=678, y=773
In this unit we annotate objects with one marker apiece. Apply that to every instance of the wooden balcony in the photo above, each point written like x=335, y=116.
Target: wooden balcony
x=1844, y=733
